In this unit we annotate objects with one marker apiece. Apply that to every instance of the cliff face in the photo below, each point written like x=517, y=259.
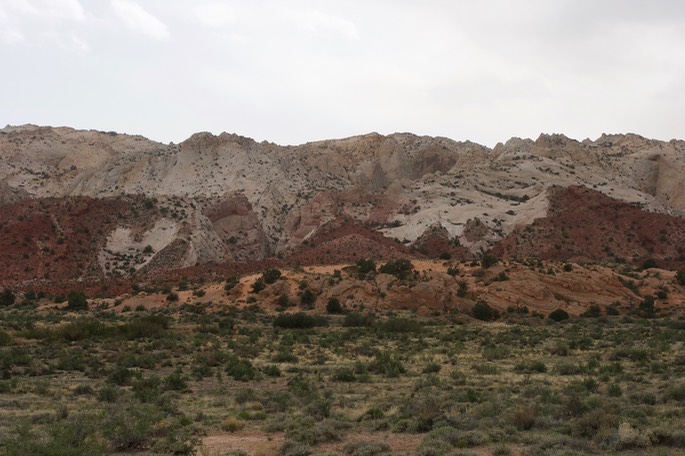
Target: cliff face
x=227, y=198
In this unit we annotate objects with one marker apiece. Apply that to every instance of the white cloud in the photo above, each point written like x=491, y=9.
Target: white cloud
x=139, y=20
x=215, y=14
x=52, y=10
x=316, y=21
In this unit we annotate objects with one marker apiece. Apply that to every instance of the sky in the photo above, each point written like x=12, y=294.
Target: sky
x=294, y=71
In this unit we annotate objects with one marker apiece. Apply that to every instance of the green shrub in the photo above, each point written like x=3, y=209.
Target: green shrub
x=593, y=311
x=242, y=370
x=258, y=286
x=398, y=268
x=344, y=374
x=366, y=448
x=76, y=300
x=483, y=311
x=355, y=319
x=333, y=306
x=680, y=277
x=271, y=275
x=558, y=315
x=386, y=364
x=299, y=320
x=7, y=298
x=5, y=339
x=148, y=326
x=400, y=325
x=307, y=299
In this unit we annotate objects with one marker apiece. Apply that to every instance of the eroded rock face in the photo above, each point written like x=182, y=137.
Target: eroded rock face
x=233, y=199
x=239, y=229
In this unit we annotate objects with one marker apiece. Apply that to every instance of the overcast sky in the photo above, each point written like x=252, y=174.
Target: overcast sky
x=296, y=71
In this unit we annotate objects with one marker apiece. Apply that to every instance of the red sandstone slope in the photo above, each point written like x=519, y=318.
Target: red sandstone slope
x=58, y=239
x=584, y=224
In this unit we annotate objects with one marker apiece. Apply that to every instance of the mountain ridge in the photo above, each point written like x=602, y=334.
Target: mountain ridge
x=228, y=198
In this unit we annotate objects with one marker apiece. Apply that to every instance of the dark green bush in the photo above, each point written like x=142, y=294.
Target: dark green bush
x=76, y=300
x=7, y=298
x=558, y=315
x=299, y=320
x=271, y=275
x=400, y=325
x=333, y=306
x=398, y=268
x=483, y=311
x=355, y=319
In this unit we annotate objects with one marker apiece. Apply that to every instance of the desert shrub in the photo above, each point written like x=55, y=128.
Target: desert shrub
x=445, y=256
x=344, y=374
x=76, y=300
x=284, y=356
x=81, y=329
x=7, y=298
x=400, y=325
x=432, y=368
x=72, y=437
x=463, y=288
x=593, y=311
x=680, y=277
x=558, y=315
x=299, y=320
x=307, y=299
x=148, y=326
x=333, y=306
x=175, y=382
x=366, y=448
x=172, y=296
x=386, y=364
x=646, y=307
x=290, y=448
x=533, y=366
x=648, y=264
x=146, y=389
x=130, y=427
x=272, y=370
x=364, y=267
x=483, y=311
x=355, y=319
x=452, y=271
x=5, y=339
x=232, y=424
x=108, y=393
x=397, y=268
x=283, y=301
x=241, y=370
x=488, y=260
x=524, y=418
x=231, y=283
x=258, y=286
x=271, y=275
x=675, y=393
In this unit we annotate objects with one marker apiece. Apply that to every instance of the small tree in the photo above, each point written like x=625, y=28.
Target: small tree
x=365, y=266
x=646, y=307
x=487, y=260
x=558, y=315
x=7, y=298
x=680, y=277
x=307, y=298
x=271, y=275
x=333, y=306
x=258, y=286
x=483, y=311
x=76, y=300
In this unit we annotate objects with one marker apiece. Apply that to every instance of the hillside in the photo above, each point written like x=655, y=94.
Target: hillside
x=91, y=206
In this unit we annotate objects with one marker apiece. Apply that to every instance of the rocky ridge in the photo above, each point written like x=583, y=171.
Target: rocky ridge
x=228, y=199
